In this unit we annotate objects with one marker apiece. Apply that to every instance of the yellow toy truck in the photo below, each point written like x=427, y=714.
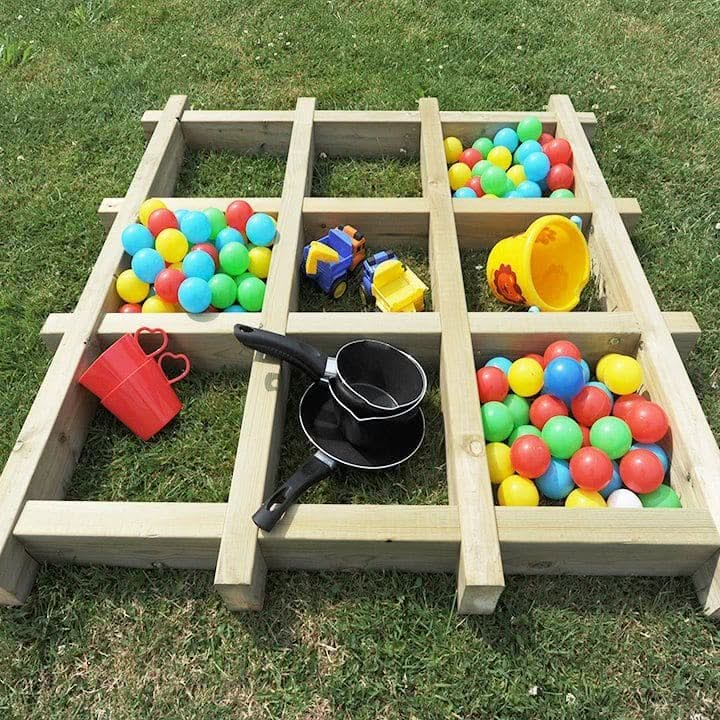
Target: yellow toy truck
x=393, y=286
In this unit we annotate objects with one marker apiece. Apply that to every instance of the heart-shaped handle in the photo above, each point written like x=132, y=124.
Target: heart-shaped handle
x=153, y=331
x=175, y=356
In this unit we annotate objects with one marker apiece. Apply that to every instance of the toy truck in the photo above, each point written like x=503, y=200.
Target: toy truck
x=394, y=287
x=330, y=261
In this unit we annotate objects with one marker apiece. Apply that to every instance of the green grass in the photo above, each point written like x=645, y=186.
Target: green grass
x=110, y=643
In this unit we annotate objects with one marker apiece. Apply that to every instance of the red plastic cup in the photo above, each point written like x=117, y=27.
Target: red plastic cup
x=145, y=401
x=119, y=361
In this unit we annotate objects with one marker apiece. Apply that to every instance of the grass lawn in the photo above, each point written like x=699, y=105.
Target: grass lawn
x=108, y=643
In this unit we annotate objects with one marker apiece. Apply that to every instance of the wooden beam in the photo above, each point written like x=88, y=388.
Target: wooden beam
x=54, y=431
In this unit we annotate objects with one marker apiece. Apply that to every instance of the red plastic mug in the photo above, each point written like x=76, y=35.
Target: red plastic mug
x=145, y=401
x=119, y=361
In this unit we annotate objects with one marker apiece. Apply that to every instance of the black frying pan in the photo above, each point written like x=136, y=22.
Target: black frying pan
x=319, y=422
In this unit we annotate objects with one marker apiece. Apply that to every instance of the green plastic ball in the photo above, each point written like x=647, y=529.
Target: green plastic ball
x=223, y=291
x=509, y=185
x=217, y=221
x=251, y=293
x=234, y=258
x=663, y=497
x=242, y=276
x=562, y=194
x=494, y=180
x=519, y=408
x=497, y=421
x=529, y=128
x=523, y=430
x=611, y=435
x=484, y=145
x=480, y=167
x=563, y=436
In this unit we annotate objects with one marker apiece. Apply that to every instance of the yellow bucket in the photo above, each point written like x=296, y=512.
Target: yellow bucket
x=548, y=266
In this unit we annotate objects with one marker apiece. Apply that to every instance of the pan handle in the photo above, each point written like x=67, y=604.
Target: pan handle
x=305, y=357
x=311, y=472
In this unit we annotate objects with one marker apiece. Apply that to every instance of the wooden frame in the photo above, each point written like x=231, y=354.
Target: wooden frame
x=470, y=537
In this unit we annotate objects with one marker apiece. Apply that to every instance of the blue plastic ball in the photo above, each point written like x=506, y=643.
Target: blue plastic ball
x=512, y=194
x=198, y=264
x=525, y=149
x=228, y=235
x=537, y=166
x=604, y=388
x=465, y=192
x=260, y=229
x=528, y=189
x=543, y=185
x=555, y=483
x=180, y=214
x=586, y=371
x=564, y=378
x=500, y=362
x=147, y=263
x=656, y=450
x=196, y=227
x=235, y=308
x=506, y=137
x=194, y=295
x=533, y=309
x=136, y=237
x=615, y=482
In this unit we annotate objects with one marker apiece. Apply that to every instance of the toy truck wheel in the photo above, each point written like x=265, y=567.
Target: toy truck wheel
x=338, y=289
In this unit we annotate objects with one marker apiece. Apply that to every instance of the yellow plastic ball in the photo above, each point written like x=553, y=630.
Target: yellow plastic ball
x=489, y=196
x=458, y=174
x=453, y=149
x=500, y=156
x=176, y=266
x=155, y=304
x=525, y=377
x=149, y=207
x=260, y=261
x=498, y=460
x=622, y=374
x=600, y=367
x=518, y=491
x=130, y=287
x=580, y=498
x=172, y=245
x=517, y=174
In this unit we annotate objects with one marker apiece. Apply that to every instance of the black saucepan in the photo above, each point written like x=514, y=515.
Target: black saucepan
x=319, y=422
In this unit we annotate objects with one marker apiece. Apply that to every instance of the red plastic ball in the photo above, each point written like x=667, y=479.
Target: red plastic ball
x=591, y=469
x=530, y=456
x=562, y=348
x=475, y=185
x=160, y=220
x=647, y=421
x=237, y=214
x=211, y=250
x=492, y=384
x=212, y=309
x=586, y=435
x=545, y=138
x=560, y=177
x=545, y=407
x=539, y=359
x=641, y=471
x=130, y=308
x=624, y=403
x=590, y=404
x=470, y=157
x=167, y=283
x=558, y=151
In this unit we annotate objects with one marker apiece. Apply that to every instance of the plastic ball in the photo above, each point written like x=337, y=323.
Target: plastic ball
x=612, y=436
x=622, y=374
x=590, y=468
x=484, y=145
x=517, y=174
x=580, y=498
x=604, y=388
x=521, y=430
x=536, y=166
x=156, y=304
x=223, y=291
x=148, y=208
x=130, y=287
x=228, y=235
x=648, y=422
x=558, y=151
x=563, y=436
x=211, y=250
x=492, y=384
x=465, y=192
x=529, y=189
x=509, y=186
x=136, y=237
x=475, y=185
x=602, y=364
x=530, y=456
x=624, y=403
x=167, y=284
x=195, y=226
x=615, y=481
x=180, y=214
x=490, y=196
x=458, y=174
x=176, y=266
x=545, y=138
x=641, y=471
x=453, y=149
x=585, y=430
x=200, y=265
x=235, y=309
x=243, y=276
x=538, y=358
x=147, y=263
x=589, y=405
x=562, y=348
x=529, y=128
x=500, y=362
x=251, y=294
x=560, y=177
x=507, y=138
x=493, y=180
x=500, y=156
x=194, y=294
x=525, y=149
x=261, y=229
x=260, y=258
x=162, y=219
x=662, y=497
x=171, y=244
x=555, y=483
x=656, y=450
x=129, y=308
x=234, y=258
x=545, y=407
x=562, y=194
x=498, y=461
x=479, y=168
x=518, y=491
x=217, y=221
x=497, y=421
x=564, y=378
x=623, y=499
x=470, y=157
x=519, y=409
x=525, y=377
x=586, y=371
x=237, y=214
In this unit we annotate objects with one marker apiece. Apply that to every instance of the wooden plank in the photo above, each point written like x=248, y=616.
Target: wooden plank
x=696, y=458
x=54, y=431
x=241, y=570
x=480, y=577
